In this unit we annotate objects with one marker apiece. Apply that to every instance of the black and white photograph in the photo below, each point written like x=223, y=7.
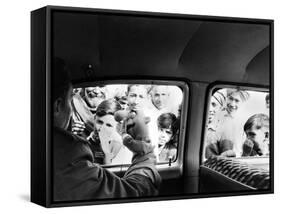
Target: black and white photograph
x=140, y=106
x=147, y=105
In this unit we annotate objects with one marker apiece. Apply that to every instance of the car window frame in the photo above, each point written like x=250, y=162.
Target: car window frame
x=177, y=164
x=215, y=86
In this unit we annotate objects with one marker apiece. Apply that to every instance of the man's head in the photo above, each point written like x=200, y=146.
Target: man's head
x=234, y=99
x=257, y=130
x=94, y=96
x=61, y=94
x=159, y=96
x=216, y=105
x=137, y=96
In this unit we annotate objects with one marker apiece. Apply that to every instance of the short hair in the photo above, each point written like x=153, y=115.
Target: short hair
x=244, y=95
x=60, y=79
x=258, y=121
x=106, y=107
x=131, y=85
x=168, y=121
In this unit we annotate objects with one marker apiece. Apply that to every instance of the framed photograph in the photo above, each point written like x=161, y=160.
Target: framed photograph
x=137, y=106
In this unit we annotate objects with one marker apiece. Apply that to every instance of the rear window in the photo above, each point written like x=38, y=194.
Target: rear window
x=99, y=112
x=237, y=125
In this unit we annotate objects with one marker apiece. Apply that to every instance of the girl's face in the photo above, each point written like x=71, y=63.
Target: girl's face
x=165, y=135
x=105, y=125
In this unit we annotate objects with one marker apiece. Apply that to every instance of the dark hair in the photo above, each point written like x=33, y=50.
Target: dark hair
x=106, y=107
x=267, y=98
x=169, y=121
x=60, y=79
x=257, y=120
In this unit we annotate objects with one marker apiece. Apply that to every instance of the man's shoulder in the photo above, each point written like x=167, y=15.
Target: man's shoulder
x=68, y=137
x=68, y=146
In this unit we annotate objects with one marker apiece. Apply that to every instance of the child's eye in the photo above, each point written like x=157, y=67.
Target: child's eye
x=169, y=132
x=100, y=122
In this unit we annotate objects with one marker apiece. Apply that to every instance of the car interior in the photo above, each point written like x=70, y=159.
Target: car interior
x=193, y=56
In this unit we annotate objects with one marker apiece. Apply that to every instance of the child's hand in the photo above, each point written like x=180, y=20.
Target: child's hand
x=248, y=146
x=262, y=148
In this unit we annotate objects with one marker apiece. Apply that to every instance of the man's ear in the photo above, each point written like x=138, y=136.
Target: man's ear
x=57, y=106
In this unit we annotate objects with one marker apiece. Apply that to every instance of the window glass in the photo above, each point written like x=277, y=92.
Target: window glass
x=104, y=114
x=237, y=125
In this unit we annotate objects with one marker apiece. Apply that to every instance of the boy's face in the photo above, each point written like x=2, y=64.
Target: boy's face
x=106, y=124
x=260, y=137
x=165, y=135
x=159, y=96
x=214, y=108
x=137, y=97
x=233, y=102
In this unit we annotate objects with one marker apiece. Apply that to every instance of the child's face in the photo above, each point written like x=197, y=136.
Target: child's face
x=260, y=136
x=164, y=136
x=105, y=125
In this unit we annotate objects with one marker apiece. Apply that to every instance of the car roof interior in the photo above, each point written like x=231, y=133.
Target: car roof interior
x=118, y=45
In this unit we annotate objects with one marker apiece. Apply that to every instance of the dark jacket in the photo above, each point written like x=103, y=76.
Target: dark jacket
x=76, y=177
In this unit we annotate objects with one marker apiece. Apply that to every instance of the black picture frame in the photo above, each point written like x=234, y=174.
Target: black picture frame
x=42, y=51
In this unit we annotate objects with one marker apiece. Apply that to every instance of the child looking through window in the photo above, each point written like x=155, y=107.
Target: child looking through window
x=168, y=126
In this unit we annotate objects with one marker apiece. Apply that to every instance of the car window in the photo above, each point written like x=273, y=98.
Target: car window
x=237, y=125
x=99, y=112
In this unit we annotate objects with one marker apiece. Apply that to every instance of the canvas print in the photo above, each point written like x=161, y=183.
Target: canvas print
x=148, y=106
